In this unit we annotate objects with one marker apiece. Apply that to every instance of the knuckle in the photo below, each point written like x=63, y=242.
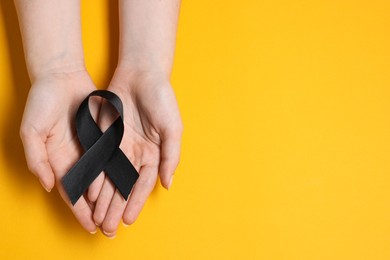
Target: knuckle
x=144, y=182
x=147, y=181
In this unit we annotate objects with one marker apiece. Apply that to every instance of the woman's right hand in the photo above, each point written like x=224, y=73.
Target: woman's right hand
x=47, y=131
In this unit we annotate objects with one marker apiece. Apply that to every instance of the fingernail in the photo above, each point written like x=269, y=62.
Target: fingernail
x=44, y=186
x=170, y=182
x=93, y=232
x=124, y=224
x=109, y=235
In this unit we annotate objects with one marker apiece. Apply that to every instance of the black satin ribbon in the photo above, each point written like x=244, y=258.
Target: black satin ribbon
x=102, y=152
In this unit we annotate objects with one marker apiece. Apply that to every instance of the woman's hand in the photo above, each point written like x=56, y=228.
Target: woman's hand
x=151, y=141
x=47, y=131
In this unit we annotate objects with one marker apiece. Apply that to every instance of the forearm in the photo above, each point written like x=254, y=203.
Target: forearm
x=147, y=35
x=51, y=33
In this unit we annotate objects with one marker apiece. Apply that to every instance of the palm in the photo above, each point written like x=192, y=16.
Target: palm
x=150, y=112
x=49, y=114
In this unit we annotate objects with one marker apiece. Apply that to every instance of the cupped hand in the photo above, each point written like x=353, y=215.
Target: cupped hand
x=152, y=140
x=47, y=131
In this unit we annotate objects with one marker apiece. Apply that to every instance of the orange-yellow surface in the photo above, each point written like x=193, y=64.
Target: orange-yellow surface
x=286, y=148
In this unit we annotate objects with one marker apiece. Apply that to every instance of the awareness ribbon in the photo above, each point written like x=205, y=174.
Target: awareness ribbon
x=102, y=152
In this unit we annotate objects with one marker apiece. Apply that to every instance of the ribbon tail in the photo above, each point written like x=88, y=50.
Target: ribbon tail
x=122, y=173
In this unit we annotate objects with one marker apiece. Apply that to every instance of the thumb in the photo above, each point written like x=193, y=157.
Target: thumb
x=36, y=157
x=170, y=155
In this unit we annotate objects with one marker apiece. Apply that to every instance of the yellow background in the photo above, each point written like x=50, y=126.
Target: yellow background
x=286, y=150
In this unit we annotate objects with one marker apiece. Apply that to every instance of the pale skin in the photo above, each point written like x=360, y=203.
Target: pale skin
x=153, y=126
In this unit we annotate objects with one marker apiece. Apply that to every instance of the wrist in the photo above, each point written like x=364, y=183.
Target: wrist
x=144, y=66
x=128, y=76
x=63, y=74
x=56, y=69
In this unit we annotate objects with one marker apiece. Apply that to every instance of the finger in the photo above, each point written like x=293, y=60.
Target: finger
x=114, y=215
x=82, y=211
x=84, y=215
x=142, y=188
x=102, y=190
x=95, y=188
x=170, y=156
x=103, y=201
x=37, y=159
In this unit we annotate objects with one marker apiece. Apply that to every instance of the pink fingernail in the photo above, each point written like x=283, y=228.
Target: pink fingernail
x=170, y=182
x=44, y=186
x=109, y=235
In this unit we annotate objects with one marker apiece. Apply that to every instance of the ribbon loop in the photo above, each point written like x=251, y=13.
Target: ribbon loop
x=102, y=152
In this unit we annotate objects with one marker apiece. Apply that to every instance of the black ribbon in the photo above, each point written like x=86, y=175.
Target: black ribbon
x=102, y=152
